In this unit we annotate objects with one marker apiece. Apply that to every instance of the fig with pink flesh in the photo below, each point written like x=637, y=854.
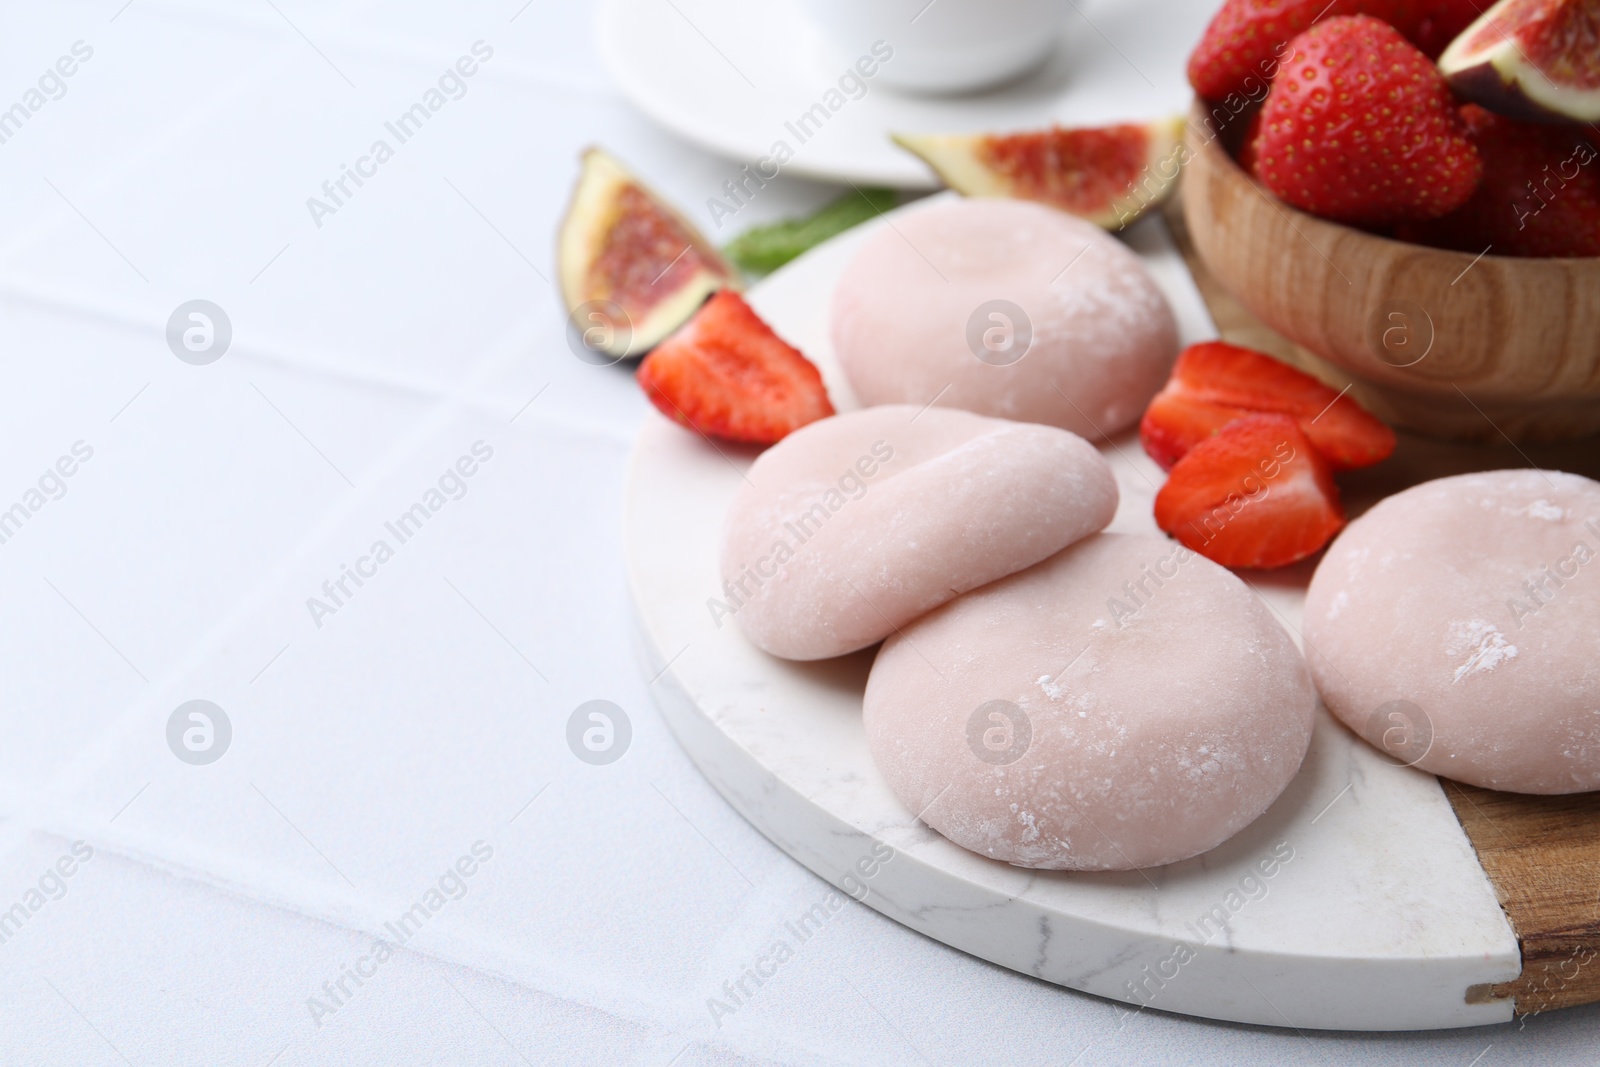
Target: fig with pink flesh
x=1108, y=175
x=1531, y=59
x=631, y=268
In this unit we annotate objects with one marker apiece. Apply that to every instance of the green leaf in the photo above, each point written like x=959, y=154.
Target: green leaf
x=764, y=249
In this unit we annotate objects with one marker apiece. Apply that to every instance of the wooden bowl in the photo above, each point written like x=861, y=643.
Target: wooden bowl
x=1443, y=343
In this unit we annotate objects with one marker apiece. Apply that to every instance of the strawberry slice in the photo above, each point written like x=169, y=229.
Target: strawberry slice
x=1214, y=383
x=1258, y=494
x=726, y=374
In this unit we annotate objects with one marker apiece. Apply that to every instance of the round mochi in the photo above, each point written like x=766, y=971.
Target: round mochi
x=1456, y=626
x=853, y=526
x=925, y=296
x=1126, y=703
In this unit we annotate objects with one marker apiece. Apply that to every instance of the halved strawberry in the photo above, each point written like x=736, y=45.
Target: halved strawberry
x=1214, y=383
x=1255, y=495
x=726, y=374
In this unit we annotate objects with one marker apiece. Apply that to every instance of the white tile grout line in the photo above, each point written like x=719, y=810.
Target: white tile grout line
x=175, y=135
x=473, y=947
x=285, y=57
x=277, y=886
x=284, y=889
x=161, y=690
x=527, y=332
x=407, y=50
x=169, y=142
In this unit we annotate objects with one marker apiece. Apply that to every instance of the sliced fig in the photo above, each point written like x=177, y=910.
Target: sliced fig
x=1531, y=59
x=1109, y=175
x=632, y=269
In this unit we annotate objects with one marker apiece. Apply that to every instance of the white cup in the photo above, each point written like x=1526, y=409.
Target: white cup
x=943, y=46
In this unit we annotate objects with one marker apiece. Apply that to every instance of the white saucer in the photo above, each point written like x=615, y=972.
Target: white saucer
x=728, y=75
x=1382, y=920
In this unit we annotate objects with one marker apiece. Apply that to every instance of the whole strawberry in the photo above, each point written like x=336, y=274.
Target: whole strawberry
x=1247, y=40
x=1361, y=128
x=1540, y=194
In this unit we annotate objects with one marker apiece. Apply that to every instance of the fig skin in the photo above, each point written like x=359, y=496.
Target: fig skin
x=1484, y=85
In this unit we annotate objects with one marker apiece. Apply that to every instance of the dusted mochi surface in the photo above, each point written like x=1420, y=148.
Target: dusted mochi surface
x=1104, y=337
x=1476, y=599
x=1167, y=709
x=853, y=526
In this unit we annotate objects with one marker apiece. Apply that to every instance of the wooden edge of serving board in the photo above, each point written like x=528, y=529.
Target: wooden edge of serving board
x=1541, y=853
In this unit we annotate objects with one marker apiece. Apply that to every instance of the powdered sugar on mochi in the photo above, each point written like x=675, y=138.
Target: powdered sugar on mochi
x=1540, y=509
x=1168, y=709
x=1476, y=598
x=1482, y=642
x=1104, y=337
x=855, y=525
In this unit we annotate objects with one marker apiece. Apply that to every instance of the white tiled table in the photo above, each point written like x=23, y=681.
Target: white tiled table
x=372, y=752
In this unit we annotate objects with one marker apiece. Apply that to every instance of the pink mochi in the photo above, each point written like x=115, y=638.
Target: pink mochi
x=915, y=307
x=1125, y=703
x=851, y=527
x=1456, y=626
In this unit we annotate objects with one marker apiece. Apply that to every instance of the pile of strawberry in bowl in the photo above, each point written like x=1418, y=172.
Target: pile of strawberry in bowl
x=1447, y=123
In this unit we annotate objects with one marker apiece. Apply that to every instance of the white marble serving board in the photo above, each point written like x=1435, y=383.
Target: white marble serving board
x=1380, y=919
